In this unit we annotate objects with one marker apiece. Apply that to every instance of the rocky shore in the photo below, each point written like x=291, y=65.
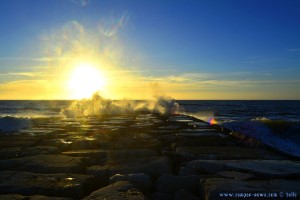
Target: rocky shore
x=141, y=156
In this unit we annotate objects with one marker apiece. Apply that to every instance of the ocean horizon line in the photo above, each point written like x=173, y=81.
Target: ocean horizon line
x=154, y=99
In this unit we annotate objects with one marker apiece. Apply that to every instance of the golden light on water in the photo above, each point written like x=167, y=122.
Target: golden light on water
x=85, y=79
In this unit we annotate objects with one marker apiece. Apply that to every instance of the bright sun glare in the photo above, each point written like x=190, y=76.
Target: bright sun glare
x=85, y=80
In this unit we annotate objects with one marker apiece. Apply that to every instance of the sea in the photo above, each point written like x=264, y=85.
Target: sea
x=274, y=123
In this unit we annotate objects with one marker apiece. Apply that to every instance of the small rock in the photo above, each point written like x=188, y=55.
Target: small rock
x=141, y=181
x=153, y=166
x=59, y=185
x=117, y=191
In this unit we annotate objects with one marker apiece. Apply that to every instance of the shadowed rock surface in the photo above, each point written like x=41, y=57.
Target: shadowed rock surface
x=117, y=191
x=75, y=186
x=139, y=156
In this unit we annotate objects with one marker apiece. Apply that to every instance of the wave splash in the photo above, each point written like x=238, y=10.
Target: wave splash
x=282, y=135
x=98, y=106
x=279, y=134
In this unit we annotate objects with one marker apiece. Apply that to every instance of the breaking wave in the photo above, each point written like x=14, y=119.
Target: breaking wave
x=98, y=105
x=283, y=135
x=11, y=124
x=278, y=134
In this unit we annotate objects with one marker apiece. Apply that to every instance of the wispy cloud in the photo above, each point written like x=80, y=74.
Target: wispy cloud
x=259, y=59
x=80, y=3
x=218, y=80
x=41, y=59
x=29, y=74
x=110, y=27
x=34, y=75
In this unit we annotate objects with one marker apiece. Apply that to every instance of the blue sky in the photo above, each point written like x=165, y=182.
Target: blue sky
x=233, y=49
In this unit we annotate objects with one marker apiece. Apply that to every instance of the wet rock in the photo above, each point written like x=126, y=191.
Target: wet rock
x=213, y=188
x=141, y=181
x=205, y=141
x=170, y=184
x=266, y=168
x=34, y=197
x=181, y=119
x=42, y=131
x=61, y=143
x=138, y=142
x=98, y=155
x=17, y=152
x=184, y=195
x=75, y=186
x=78, y=142
x=206, y=166
x=12, y=197
x=161, y=132
x=153, y=166
x=18, y=141
x=45, y=164
x=142, y=125
x=117, y=191
x=169, y=127
x=72, y=141
x=202, y=134
x=225, y=152
x=116, y=156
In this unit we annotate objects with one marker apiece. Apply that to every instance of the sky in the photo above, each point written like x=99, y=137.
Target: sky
x=137, y=49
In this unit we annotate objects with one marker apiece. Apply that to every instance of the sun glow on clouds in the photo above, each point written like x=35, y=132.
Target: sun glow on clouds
x=86, y=58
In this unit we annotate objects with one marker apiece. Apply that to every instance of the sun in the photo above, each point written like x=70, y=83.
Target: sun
x=85, y=79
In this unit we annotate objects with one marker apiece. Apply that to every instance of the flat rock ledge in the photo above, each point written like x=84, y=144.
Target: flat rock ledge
x=140, y=156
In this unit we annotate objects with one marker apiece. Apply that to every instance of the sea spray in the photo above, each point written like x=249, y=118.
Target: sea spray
x=206, y=116
x=98, y=106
